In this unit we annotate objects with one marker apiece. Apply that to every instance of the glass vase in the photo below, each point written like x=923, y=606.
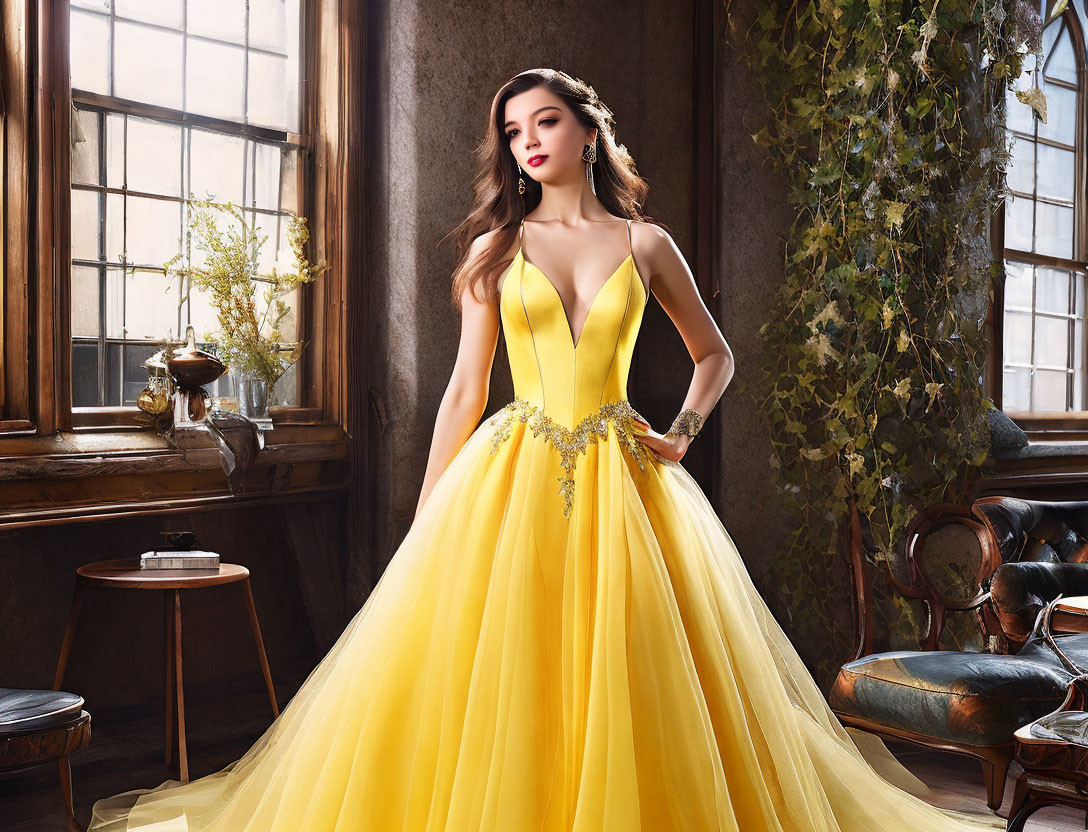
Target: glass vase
x=254, y=396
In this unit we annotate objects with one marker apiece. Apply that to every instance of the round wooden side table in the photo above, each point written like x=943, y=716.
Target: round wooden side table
x=125, y=573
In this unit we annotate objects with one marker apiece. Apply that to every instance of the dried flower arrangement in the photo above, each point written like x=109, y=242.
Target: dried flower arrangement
x=248, y=340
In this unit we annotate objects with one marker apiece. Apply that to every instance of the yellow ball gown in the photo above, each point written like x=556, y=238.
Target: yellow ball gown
x=566, y=640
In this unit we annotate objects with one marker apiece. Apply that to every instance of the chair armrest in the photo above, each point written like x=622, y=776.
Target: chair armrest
x=1019, y=590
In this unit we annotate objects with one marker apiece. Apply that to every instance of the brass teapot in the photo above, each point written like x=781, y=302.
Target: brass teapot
x=155, y=397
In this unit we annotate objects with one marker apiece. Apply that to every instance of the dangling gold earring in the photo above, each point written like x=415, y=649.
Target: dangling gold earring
x=521, y=182
x=589, y=154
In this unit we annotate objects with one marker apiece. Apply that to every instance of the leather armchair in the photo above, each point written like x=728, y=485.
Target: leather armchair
x=1023, y=553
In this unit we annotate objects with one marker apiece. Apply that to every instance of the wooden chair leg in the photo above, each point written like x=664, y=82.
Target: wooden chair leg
x=994, y=771
x=1019, y=795
x=1017, y=821
x=69, y=634
x=260, y=647
x=168, y=619
x=66, y=792
x=183, y=756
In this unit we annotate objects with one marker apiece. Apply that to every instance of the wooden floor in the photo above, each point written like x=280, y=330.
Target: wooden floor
x=127, y=753
x=956, y=782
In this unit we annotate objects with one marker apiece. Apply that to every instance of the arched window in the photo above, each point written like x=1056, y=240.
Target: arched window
x=1042, y=344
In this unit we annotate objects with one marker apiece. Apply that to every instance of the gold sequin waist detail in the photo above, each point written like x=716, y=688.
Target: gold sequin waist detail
x=572, y=442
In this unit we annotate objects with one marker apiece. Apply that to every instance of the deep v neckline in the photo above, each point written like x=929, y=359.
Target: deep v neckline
x=592, y=303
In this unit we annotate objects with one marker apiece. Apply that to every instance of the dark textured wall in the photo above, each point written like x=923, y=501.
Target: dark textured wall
x=753, y=220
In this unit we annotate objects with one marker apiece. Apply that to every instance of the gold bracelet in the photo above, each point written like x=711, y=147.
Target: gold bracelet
x=687, y=423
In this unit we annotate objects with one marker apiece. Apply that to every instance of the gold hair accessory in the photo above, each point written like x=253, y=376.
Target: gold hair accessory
x=687, y=423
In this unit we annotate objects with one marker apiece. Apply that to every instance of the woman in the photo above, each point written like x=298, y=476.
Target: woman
x=566, y=638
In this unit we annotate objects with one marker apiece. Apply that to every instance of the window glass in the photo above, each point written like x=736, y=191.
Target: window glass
x=173, y=98
x=1043, y=316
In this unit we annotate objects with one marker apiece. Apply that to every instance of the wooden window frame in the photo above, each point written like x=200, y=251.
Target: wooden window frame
x=41, y=439
x=1044, y=425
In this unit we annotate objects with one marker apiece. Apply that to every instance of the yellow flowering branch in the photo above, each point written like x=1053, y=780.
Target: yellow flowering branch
x=249, y=340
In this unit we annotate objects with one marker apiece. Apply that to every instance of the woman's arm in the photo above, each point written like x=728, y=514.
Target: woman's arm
x=466, y=394
x=674, y=287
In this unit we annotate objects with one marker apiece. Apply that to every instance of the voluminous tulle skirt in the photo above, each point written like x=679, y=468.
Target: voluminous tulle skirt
x=518, y=671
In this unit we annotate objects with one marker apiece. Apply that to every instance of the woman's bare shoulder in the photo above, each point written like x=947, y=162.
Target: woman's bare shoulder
x=485, y=240
x=653, y=248
x=650, y=237
x=482, y=243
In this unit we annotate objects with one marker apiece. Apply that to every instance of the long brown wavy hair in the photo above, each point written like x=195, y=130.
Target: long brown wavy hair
x=498, y=205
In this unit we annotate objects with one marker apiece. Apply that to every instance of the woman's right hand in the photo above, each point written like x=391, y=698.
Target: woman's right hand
x=669, y=445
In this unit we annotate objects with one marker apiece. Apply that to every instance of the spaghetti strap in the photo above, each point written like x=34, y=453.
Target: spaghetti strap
x=629, y=244
x=521, y=233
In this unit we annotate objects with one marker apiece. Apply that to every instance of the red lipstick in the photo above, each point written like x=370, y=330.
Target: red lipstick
x=536, y=160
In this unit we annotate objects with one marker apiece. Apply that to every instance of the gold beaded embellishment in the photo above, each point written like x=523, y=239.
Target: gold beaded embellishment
x=687, y=423
x=570, y=443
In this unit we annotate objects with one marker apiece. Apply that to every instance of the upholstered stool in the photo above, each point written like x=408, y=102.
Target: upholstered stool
x=970, y=703
x=41, y=725
x=126, y=573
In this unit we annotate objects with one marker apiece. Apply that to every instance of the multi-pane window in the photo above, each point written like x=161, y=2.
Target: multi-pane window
x=173, y=100
x=1044, y=346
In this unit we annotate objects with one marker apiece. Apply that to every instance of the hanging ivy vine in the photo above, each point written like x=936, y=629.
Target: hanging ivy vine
x=888, y=120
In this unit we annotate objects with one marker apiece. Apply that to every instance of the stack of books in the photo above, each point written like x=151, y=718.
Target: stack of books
x=179, y=559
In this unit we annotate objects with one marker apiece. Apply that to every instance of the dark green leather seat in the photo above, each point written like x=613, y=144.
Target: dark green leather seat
x=969, y=698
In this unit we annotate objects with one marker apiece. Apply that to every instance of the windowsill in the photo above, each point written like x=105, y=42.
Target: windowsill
x=131, y=418
x=1056, y=453
x=1051, y=426
x=1037, y=449
x=1051, y=468
x=80, y=475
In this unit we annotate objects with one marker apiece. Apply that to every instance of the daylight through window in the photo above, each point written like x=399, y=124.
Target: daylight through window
x=172, y=99
x=1044, y=336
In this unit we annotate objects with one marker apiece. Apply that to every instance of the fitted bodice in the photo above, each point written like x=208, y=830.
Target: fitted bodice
x=569, y=381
